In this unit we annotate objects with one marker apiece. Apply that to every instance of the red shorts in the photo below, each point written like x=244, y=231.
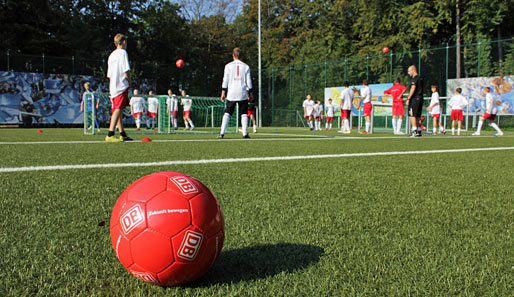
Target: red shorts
x=137, y=114
x=186, y=113
x=398, y=109
x=121, y=101
x=436, y=115
x=345, y=113
x=153, y=115
x=251, y=113
x=457, y=115
x=308, y=117
x=330, y=119
x=367, y=109
x=317, y=118
x=488, y=116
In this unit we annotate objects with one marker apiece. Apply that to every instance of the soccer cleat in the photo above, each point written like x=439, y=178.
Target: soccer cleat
x=414, y=134
x=444, y=132
x=126, y=138
x=185, y=129
x=498, y=135
x=246, y=136
x=220, y=136
x=112, y=139
x=192, y=128
x=476, y=134
x=363, y=132
x=347, y=132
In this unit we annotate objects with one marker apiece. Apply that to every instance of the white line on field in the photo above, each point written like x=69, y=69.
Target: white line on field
x=297, y=138
x=234, y=160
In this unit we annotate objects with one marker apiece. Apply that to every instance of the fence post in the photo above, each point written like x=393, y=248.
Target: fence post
x=8, y=58
x=479, y=52
x=290, y=95
x=305, y=79
x=419, y=60
x=367, y=67
x=345, y=68
x=272, y=97
x=325, y=74
x=72, y=64
x=44, y=63
x=391, y=67
x=447, y=48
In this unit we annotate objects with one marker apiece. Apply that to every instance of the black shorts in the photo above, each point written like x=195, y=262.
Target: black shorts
x=231, y=105
x=416, y=107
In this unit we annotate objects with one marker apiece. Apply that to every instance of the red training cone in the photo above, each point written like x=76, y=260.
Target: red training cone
x=146, y=139
x=39, y=131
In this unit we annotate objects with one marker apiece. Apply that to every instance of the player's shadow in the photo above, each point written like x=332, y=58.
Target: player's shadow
x=258, y=262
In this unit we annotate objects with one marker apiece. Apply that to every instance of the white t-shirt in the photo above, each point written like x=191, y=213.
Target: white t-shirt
x=366, y=94
x=187, y=103
x=172, y=103
x=330, y=110
x=347, y=96
x=458, y=102
x=153, y=104
x=137, y=104
x=309, y=107
x=117, y=65
x=237, y=80
x=489, y=103
x=434, y=102
x=318, y=110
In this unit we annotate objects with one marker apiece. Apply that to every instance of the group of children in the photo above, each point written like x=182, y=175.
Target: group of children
x=139, y=104
x=314, y=111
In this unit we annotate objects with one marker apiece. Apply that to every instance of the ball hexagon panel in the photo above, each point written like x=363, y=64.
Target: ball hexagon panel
x=152, y=251
x=206, y=214
x=168, y=213
x=147, y=187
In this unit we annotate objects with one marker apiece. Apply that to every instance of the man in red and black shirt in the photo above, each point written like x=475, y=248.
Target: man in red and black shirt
x=397, y=92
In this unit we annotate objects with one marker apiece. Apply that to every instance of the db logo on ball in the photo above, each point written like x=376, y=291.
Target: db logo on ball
x=147, y=277
x=184, y=185
x=190, y=245
x=131, y=219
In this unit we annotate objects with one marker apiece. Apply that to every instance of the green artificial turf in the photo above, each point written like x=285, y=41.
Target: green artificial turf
x=405, y=225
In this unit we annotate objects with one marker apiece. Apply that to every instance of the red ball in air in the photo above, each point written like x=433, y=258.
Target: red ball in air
x=180, y=63
x=385, y=50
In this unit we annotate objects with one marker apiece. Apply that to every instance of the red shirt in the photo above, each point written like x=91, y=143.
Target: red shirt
x=396, y=91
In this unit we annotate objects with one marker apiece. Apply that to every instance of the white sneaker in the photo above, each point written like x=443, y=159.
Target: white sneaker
x=340, y=131
x=476, y=134
x=499, y=134
x=401, y=133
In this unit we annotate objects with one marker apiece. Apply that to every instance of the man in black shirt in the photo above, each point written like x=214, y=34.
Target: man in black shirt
x=415, y=101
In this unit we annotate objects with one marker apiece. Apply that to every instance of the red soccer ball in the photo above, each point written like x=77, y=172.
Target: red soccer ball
x=167, y=228
x=180, y=63
x=385, y=50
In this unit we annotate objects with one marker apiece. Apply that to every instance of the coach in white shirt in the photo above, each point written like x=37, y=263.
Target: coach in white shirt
x=237, y=89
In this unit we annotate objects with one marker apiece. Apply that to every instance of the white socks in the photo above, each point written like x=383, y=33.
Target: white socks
x=367, y=126
x=244, y=123
x=398, y=126
x=175, y=123
x=191, y=124
x=310, y=124
x=138, y=123
x=346, y=125
x=496, y=128
x=187, y=124
x=254, y=128
x=479, y=128
x=394, y=126
x=224, y=123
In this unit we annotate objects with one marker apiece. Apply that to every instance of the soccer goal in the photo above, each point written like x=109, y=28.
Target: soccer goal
x=206, y=113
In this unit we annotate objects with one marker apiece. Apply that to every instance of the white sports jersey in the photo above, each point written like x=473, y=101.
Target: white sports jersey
x=489, y=103
x=458, y=102
x=366, y=94
x=309, y=107
x=318, y=110
x=187, y=103
x=117, y=65
x=172, y=103
x=347, y=97
x=436, y=108
x=153, y=104
x=331, y=110
x=137, y=104
x=237, y=80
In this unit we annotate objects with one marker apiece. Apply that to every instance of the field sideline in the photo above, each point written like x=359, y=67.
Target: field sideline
x=376, y=218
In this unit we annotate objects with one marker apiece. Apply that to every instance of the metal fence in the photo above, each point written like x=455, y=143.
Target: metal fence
x=284, y=89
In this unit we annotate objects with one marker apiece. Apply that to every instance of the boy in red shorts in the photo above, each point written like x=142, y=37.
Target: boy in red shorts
x=435, y=109
x=118, y=72
x=457, y=104
x=365, y=93
x=397, y=92
x=489, y=114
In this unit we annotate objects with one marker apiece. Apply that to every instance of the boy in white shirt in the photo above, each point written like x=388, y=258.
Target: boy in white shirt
x=365, y=93
x=346, y=108
x=308, y=109
x=318, y=115
x=435, y=109
x=489, y=114
x=187, y=104
x=330, y=108
x=457, y=103
x=172, y=104
x=137, y=106
x=153, y=107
